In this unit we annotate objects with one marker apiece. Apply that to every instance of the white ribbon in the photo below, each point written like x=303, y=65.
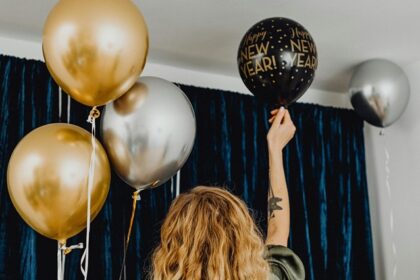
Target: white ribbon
x=172, y=187
x=60, y=255
x=61, y=259
x=84, y=262
x=391, y=210
x=60, y=101
x=62, y=251
x=68, y=108
x=178, y=183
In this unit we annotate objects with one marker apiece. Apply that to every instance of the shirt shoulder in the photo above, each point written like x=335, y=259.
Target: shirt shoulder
x=284, y=263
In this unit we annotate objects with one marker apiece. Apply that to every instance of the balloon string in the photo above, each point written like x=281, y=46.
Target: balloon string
x=178, y=182
x=68, y=108
x=60, y=102
x=172, y=187
x=63, y=265
x=84, y=262
x=67, y=250
x=59, y=262
x=136, y=197
x=391, y=211
x=62, y=251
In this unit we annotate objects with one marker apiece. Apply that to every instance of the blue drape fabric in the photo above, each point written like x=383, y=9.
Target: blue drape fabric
x=324, y=164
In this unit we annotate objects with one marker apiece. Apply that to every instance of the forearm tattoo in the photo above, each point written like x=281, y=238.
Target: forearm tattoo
x=273, y=203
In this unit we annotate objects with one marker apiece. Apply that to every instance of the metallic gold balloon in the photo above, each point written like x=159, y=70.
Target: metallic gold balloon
x=47, y=179
x=95, y=49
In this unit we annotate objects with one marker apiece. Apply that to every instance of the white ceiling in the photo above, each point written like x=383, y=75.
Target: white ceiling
x=204, y=35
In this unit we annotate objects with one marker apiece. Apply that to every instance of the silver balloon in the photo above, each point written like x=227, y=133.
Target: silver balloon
x=149, y=132
x=379, y=91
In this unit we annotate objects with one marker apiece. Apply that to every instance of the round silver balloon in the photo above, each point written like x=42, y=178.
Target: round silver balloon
x=149, y=132
x=379, y=91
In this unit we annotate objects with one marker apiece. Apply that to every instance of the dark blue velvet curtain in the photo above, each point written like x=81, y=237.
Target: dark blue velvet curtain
x=325, y=168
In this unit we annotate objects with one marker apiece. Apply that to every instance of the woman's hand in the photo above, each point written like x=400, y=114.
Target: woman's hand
x=281, y=132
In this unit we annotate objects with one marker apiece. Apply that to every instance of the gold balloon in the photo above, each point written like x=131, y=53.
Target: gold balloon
x=47, y=179
x=95, y=49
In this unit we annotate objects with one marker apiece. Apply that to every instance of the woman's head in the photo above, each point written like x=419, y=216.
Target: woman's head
x=209, y=234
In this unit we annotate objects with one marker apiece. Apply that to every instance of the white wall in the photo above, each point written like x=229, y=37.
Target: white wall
x=400, y=206
x=402, y=140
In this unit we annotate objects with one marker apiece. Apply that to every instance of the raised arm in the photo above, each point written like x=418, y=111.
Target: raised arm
x=281, y=132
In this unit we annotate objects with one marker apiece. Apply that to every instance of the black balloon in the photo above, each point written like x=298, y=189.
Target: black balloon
x=277, y=59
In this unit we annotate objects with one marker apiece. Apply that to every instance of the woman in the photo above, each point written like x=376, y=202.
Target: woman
x=209, y=234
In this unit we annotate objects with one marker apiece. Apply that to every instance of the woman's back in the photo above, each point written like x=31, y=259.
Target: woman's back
x=209, y=234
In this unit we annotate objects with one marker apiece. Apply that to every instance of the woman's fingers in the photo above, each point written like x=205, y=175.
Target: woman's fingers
x=273, y=115
x=284, y=119
x=287, y=118
x=279, y=117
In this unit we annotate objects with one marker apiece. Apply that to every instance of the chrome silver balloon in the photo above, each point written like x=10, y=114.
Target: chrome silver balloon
x=149, y=132
x=379, y=91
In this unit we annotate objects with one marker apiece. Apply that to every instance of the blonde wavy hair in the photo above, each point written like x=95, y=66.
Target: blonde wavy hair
x=209, y=234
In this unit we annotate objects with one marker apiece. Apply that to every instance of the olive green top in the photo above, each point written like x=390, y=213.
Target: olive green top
x=284, y=263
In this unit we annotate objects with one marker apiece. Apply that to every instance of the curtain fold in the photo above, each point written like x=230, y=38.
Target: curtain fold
x=324, y=164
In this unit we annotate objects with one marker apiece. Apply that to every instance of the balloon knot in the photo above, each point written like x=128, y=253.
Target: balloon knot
x=67, y=250
x=93, y=115
x=136, y=195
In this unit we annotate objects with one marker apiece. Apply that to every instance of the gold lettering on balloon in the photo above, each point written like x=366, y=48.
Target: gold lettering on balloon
x=267, y=61
x=251, y=71
x=256, y=37
x=254, y=50
x=302, y=60
x=253, y=57
x=303, y=48
x=297, y=33
x=259, y=65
